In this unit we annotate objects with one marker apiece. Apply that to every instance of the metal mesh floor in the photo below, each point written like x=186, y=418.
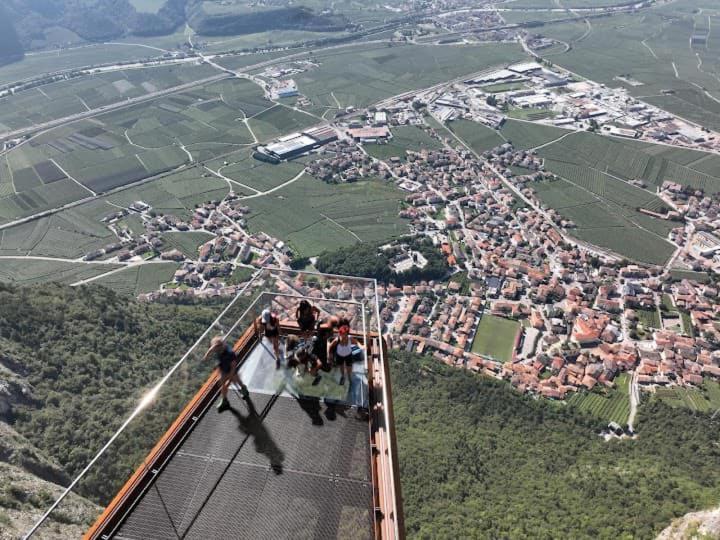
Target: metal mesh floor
x=275, y=467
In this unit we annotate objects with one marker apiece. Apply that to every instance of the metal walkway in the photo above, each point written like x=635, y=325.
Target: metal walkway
x=274, y=467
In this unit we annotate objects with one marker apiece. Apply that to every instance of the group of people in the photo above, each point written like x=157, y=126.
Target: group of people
x=316, y=347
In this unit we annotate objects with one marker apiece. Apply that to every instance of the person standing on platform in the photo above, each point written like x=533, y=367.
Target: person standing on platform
x=270, y=325
x=342, y=350
x=228, y=368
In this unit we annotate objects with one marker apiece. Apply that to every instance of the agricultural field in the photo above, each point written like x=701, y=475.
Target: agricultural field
x=635, y=160
x=649, y=318
x=67, y=234
x=495, y=337
x=477, y=136
x=175, y=194
x=525, y=135
x=404, y=138
x=679, y=274
x=645, y=46
x=602, y=222
x=29, y=272
x=313, y=216
x=241, y=61
x=360, y=76
x=188, y=242
x=259, y=175
x=592, y=190
x=530, y=114
x=64, y=98
x=703, y=399
x=66, y=59
x=611, y=405
x=122, y=147
x=139, y=279
x=280, y=120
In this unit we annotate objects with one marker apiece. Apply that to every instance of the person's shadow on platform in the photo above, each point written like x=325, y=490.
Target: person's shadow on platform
x=252, y=425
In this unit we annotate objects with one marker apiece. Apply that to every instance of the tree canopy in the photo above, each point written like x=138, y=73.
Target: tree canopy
x=479, y=460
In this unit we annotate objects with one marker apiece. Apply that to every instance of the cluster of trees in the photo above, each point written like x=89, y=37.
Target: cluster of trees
x=93, y=21
x=278, y=18
x=368, y=260
x=11, y=49
x=479, y=460
x=89, y=355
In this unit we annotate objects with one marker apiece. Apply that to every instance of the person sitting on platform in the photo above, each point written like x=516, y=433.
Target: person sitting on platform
x=227, y=366
x=342, y=350
x=270, y=325
x=298, y=354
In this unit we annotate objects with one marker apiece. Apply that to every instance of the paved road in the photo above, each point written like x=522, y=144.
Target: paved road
x=634, y=400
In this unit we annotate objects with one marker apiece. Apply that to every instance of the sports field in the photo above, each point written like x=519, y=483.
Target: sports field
x=495, y=337
x=314, y=216
x=610, y=405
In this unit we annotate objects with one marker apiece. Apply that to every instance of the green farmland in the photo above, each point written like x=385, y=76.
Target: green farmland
x=30, y=272
x=610, y=405
x=314, y=216
x=495, y=337
x=356, y=76
x=646, y=47
x=704, y=399
x=477, y=136
x=591, y=189
x=404, y=138
x=61, y=99
x=140, y=279
x=188, y=242
x=122, y=147
x=525, y=135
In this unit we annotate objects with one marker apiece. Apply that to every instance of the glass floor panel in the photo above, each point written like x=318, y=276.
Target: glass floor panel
x=259, y=373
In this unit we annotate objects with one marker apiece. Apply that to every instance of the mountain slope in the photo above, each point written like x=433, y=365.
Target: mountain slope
x=73, y=363
x=479, y=460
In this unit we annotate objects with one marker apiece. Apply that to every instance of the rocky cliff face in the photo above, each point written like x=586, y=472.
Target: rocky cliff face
x=694, y=526
x=30, y=481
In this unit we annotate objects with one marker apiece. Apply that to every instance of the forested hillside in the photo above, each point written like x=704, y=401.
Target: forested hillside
x=10, y=47
x=73, y=363
x=479, y=460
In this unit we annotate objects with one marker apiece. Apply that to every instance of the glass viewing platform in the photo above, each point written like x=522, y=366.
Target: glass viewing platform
x=299, y=458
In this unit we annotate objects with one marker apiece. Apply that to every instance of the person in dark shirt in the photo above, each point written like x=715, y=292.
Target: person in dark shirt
x=306, y=315
x=323, y=332
x=227, y=366
x=301, y=353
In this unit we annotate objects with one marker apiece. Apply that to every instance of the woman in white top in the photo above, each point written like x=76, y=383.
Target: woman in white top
x=341, y=349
